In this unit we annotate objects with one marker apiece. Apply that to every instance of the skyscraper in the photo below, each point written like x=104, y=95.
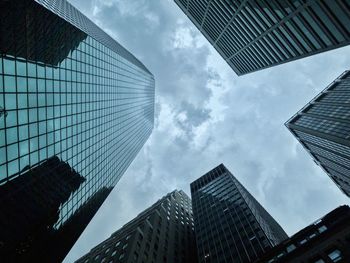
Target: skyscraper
x=162, y=233
x=230, y=225
x=72, y=100
x=326, y=240
x=257, y=34
x=323, y=128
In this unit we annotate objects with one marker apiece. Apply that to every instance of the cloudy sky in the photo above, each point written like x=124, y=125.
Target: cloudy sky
x=206, y=115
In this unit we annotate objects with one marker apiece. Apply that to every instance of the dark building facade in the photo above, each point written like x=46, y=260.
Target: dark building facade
x=256, y=34
x=230, y=225
x=323, y=128
x=71, y=99
x=162, y=233
x=325, y=241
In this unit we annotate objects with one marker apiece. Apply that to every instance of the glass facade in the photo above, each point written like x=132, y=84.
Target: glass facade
x=230, y=225
x=69, y=91
x=162, y=233
x=323, y=128
x=252, y=35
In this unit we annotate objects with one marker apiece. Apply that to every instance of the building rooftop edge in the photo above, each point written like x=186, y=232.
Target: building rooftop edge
x=67, y=11
x=334, y=82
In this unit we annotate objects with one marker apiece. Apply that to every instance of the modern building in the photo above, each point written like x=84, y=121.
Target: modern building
x=257, y=34
x=75, y=109
x=162, y=233
x=326, y=240
x=323, y=128
x=230, y=224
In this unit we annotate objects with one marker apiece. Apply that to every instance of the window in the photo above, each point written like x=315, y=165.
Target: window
x=335, y=255
x=290, y=248
x=303, y=241
x=322, y=229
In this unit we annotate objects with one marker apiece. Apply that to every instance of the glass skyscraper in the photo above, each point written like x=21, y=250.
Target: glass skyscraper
x=252, y=35
x=75, y=109
x=162, y=233
x=230, y=224
x=323, y=128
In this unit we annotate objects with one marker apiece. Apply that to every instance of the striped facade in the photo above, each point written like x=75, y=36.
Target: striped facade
x=230, y=224
x=323, y=128
x=256, y=34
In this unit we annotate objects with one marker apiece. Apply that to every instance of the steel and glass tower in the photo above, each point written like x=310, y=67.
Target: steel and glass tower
x=255, y=34
x=230, y=225
x=162, y=233
x=75, y=109
x=323, y=128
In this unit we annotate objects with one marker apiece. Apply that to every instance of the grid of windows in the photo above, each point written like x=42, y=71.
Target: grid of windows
x=63, y=93
x=230, y=224
x=162, y=233
x=251, y=35
x=323, y=128
x=328, y=144
x=340, y=129
x=341, y=111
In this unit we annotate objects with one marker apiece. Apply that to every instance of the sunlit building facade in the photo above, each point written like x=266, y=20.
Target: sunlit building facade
x=230, y=224
x=72, y=94
x=323, y=128
x=162, y=233
x=253, y=35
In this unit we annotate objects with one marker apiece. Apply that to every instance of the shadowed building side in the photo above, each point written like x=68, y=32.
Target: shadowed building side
x=230, y=225
x=30, y=206
x=326, y=240
x=255, y=34
x=162, y=233
x=323, y=129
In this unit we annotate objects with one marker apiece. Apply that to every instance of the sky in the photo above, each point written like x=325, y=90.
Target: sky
x=206, y=115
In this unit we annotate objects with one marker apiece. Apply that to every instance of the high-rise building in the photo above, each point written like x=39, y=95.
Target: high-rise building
x=257, y=34
x=162, y=233
x=323, y=128
x=75, y=109
x=230, y=224
x=326, y=240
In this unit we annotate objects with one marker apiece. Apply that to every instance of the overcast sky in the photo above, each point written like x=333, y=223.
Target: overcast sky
x=206, y=115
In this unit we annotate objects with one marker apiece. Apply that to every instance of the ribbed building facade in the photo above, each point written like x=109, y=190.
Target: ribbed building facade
x=252, y=35
x=323, y=128
x=230, y=224
x=162, y=233
x=71, y=97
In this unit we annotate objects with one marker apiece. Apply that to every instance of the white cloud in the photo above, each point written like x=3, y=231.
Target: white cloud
x=206, y=115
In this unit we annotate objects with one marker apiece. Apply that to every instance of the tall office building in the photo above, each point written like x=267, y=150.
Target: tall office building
x=326, y=240
x=162, y=233
x=323, y=128
x=75, y=109
x=256, y=34
x=230, y=225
